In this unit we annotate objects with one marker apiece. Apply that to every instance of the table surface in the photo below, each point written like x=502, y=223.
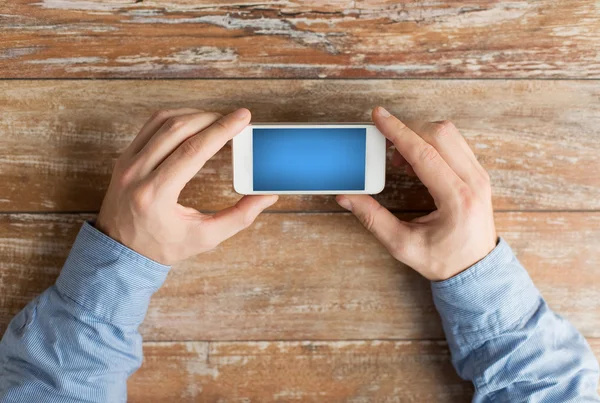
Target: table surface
x=305, y=305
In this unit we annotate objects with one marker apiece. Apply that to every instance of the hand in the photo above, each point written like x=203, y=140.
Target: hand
x=461, y=231
x=140, y=209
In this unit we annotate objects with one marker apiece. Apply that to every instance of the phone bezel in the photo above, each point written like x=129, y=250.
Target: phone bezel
x=374, y=159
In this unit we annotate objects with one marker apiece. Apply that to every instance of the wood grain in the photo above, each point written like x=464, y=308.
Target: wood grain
x=540, y=140
x=305, y=305
x=310, y=276
x=308, y=39
x=303, y=371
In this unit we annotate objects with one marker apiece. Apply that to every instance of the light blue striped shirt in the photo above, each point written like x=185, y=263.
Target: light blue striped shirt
x=79, y=342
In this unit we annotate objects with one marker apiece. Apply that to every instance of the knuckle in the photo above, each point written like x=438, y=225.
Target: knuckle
x=214, y=115
x=427, y=153
x=443, y=128
x=142, y=198
x=465, y=198
x=174, y=124
x=369, y=218
x=126, y=175
x=246, y=217
x=220, y=123
x=190, y=148
x=399, y=125
x=160, y=114
x=369, y=221
x=398, y=128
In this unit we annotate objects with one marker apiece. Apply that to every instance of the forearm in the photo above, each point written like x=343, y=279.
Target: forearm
x=79, y=339
x=505, y=339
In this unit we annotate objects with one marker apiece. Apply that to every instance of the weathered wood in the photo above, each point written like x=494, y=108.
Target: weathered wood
x=263, y=39
x=310, y=276
x=301, y=277
x=540, y=140
x=304, y=371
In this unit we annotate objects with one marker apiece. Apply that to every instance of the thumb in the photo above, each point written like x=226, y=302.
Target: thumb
x=228, y=222
x=386, y=227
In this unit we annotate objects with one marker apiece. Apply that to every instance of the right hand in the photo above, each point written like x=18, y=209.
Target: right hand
x=461, y=231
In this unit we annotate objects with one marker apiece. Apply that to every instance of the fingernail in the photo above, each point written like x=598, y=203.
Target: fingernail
x=383, y=112
x=241, y=113
x=345, y=203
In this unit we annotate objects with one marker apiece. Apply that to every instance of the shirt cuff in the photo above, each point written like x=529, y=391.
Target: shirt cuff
x=490, y=297
x=107, y=278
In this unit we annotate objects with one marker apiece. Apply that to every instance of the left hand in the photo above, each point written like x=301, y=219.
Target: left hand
x=140, y=209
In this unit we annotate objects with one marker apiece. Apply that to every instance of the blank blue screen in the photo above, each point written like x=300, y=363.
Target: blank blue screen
x=308, y=159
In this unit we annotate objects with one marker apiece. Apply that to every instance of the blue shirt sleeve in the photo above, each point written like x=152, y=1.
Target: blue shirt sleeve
x=79, y=340
x=505, y=339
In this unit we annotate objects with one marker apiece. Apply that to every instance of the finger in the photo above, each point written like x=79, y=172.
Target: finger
x=452, y=147
x=185, y=162
x=171, y=134
x=226, y=223
x=391, y=232
x=463, y=143
x=157, y=119
x=469, y=150
x=441, y=181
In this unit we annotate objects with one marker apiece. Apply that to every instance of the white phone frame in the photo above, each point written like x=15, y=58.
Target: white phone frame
x=374, y=159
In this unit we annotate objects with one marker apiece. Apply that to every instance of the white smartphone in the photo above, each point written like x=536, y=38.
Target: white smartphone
x=295, y=158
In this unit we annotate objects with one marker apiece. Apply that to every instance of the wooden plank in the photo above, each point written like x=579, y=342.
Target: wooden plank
x=540, y=140
x=308, y=39
x=310, y=276
x=305, y=371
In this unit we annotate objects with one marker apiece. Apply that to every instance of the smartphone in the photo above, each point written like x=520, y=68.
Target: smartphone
x=295, y=158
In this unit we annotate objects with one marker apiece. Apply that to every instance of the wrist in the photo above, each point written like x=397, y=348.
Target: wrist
x=97, y=224
x=102, y=224
x=471, y=260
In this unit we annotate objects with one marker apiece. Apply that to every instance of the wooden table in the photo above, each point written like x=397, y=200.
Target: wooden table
x=305, y=305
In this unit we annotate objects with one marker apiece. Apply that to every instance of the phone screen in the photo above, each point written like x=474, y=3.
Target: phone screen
x=297, y=159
